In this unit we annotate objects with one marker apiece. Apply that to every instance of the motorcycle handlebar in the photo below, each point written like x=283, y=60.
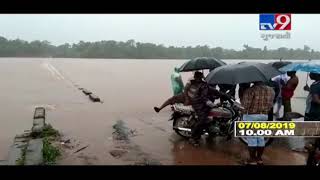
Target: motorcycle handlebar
x=227, y=97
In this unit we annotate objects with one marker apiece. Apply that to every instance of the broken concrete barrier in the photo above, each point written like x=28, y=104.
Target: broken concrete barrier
x=38, y=121
x=86, y=92
x=39, y=112
x=94, y=98
x=38, y=126
x=34, y=155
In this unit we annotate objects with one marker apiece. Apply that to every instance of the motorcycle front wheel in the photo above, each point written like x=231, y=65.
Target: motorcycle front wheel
x=182, y=122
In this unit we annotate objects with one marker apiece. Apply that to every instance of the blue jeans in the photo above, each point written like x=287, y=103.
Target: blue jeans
x=255, y=141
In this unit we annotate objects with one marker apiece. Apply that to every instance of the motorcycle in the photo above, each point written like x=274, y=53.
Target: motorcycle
x=221, y=120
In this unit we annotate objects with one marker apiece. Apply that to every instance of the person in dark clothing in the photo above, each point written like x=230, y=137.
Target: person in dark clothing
x=312, y=112
x=183, y=98
x=198, y=93
x=276, y=89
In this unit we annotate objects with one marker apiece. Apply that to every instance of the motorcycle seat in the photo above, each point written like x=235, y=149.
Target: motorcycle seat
x=183, y=108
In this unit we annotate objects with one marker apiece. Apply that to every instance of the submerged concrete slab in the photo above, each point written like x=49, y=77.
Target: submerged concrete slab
x=34, y=155
x=3, y=162
x=23, y=135
x=94, y=98
x=15, y=152
x=39, y=112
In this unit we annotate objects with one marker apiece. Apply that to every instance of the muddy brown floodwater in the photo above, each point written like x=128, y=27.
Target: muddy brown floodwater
x=129, y=90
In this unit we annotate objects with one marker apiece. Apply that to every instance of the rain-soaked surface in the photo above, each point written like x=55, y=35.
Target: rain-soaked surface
x=129, y=90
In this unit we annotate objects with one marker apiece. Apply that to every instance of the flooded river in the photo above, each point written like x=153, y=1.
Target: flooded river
x=129, y=90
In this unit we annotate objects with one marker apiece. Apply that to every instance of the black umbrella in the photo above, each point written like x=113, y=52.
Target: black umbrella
x=201, y=63
x=279, y=64
x=244, y=72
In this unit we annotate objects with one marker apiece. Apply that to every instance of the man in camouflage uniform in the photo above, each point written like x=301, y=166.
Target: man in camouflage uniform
x=198, y=93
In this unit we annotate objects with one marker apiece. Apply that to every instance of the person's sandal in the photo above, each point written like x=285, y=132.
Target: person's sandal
x=260, y=163
x=194, y=142
x=250, y=163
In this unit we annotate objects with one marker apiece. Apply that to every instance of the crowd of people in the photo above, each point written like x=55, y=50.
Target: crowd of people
x=262, y=101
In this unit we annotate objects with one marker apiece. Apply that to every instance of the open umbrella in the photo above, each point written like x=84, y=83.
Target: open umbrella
x=310, y=66
x=201, y=63
x=244, y=72
x=279, y=64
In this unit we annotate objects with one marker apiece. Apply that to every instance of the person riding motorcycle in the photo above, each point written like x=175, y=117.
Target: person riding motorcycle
x=198, y=92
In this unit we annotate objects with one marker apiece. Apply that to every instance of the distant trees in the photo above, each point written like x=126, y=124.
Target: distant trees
x=137, y=50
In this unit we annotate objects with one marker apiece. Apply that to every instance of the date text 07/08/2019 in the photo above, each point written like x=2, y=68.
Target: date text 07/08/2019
x=277, y=128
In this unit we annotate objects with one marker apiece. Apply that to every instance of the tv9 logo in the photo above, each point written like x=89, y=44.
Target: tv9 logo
x=275, y=22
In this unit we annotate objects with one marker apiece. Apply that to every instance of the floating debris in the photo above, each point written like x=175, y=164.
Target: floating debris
x=81, y=149
x=86, y=92
x=94, y=98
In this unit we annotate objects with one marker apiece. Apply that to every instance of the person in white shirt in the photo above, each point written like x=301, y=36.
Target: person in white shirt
x=281, y=80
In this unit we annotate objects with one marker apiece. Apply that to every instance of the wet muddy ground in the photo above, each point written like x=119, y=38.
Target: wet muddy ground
x=128, y=89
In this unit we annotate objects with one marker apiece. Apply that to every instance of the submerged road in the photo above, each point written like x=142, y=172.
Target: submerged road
x=129, y=89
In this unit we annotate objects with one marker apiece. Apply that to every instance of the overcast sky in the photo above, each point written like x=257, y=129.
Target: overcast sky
x=224, y=30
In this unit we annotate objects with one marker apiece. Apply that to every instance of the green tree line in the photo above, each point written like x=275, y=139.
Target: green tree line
x=137, y=50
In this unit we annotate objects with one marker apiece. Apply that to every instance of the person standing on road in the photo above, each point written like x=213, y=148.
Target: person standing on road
x=312, y=112
x=287, y=92
x=275, y=86
x=257, y=101
x=176, y=81
x=281, y=80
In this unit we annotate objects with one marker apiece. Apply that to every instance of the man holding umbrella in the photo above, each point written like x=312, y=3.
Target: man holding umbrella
x=312, y=112
x=195, y=64
x=257, y=101
x=198, y=93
